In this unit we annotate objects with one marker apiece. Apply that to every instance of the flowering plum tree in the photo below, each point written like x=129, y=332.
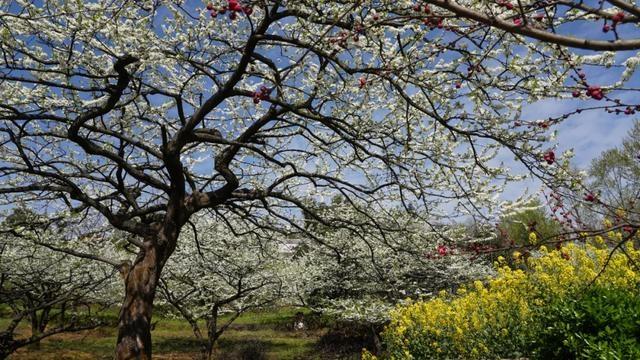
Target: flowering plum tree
x=214, y=272
x=361, y=276
x=148, y=112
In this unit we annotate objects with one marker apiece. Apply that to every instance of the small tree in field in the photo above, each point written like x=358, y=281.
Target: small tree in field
x=148, y=112
x=214, y=273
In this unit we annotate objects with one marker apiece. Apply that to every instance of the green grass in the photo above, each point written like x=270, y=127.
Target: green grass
x=268, y=330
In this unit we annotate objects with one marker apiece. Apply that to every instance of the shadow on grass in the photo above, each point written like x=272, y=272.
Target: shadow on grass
x=256, y=349
x=176, y=344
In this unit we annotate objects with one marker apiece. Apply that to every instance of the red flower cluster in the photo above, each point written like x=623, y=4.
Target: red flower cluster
x=595, y=92
x=434, y=22
x=363, y=82
x=549, y=157
x=618, y=17
x=262, y=94
x=418, y=7
x=233, y=6
x=505, y=4
x=589, y=197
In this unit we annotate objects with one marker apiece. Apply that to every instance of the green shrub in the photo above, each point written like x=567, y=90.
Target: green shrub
x=601, y=324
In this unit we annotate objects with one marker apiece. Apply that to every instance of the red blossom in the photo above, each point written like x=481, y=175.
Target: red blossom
x=595, y=92
x=618, y=17
x=234, y=5
x=260, y=94
x=549, y=157
x=363, y=82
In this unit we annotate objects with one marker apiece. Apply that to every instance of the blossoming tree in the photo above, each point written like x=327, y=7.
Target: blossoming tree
x=148, y=112
x=54, y=291
x=360, y=276
x=214, y=272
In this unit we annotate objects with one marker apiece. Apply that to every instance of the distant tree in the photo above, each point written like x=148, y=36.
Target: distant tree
x=516, y=228
x=53, y=291
x=615, y=175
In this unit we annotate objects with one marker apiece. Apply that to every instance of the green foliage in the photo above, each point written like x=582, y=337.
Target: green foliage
x=517, y=227
x=601, y=324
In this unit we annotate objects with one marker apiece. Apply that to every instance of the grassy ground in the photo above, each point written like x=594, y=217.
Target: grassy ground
x=265, y=332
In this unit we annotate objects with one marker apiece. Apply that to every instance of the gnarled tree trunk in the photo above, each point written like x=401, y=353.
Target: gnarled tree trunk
x=134, y=326
x=141, y=281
